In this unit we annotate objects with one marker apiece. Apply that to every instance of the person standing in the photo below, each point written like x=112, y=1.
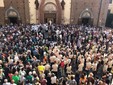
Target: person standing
x=55, y=68
x=72, y=81
x=53, y=79
x=43, y=81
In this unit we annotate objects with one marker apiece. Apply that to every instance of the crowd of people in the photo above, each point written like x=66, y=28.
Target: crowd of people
x=56, y=55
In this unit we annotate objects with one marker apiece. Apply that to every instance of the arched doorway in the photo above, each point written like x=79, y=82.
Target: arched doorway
x=86, y=17
x=50, y=13
x=50, y=10
x=12, y=16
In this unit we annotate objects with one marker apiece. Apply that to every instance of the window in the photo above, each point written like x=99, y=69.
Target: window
x=110, y=1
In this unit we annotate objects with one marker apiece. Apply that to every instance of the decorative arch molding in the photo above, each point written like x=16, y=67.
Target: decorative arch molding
x=41, y=11
x=11, y=9
x=86, y=16
x=50, y=3
x=86, y=12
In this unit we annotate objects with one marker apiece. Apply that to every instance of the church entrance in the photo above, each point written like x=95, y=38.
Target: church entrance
x=86, y=21
x=13, y=20
x=12, y=16
x=50, y=12
x=50, y=17
x=86, y=18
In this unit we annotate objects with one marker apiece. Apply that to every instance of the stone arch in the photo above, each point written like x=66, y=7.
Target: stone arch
x=86, y=11
x=86, y=17
x=13, y=10
x=50, y=12
x=12, y=16
x=58, y=10
x=50, y=3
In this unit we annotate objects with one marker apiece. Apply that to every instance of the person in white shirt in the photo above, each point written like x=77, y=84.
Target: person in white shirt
x=55, y=68
x=47, y=67
x=105, y=67
x=16, y=58
x=52, y=59
x=105, y=60
x=68, y=69
x=6, y=82
x=81, y=58
x=80, y=67
x=88, y=65
x=94, y=66
x=53, y=79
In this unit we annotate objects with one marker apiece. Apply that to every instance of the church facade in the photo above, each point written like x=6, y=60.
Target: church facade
x=109, y=20
x=93, y=12
x=58, y=11
x=14, y=11
x=89, y=12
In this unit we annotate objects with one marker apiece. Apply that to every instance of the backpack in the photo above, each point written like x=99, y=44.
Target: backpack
x=62, y=64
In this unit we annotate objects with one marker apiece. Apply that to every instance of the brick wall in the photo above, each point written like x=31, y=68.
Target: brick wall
x=1, y=15
x=22, y=6
x=93, y=5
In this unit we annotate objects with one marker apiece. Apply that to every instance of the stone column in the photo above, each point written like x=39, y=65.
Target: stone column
x=62, y=16
x=63, y=4
x=37, y=7
x=37, y=16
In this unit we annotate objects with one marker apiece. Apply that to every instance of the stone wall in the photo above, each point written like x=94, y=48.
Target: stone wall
x=93, y=5
x=21, y=6
x=1, y=15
